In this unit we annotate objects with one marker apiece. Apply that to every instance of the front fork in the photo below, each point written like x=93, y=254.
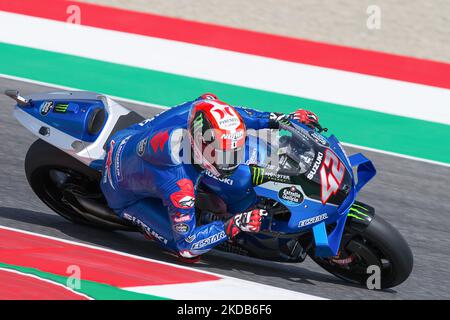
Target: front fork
x=359, y=218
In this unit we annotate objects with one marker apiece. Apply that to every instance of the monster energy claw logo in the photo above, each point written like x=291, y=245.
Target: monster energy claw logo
x=257, y=176
x=61, y=108
x=358, y=212
x=198, y=122
x=260, y=175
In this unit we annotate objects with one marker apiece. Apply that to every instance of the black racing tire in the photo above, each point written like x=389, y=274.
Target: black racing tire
x=40, y=160
x=379, y=244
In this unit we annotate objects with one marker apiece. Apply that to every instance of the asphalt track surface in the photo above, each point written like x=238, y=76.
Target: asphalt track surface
x=411, y=195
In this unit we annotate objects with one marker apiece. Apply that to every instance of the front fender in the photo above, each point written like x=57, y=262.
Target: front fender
x=359, y=216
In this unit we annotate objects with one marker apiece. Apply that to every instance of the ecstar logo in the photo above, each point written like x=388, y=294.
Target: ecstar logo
x=212, y=239
x=312, y=220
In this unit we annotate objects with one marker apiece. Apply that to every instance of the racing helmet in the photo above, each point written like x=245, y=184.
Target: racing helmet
x=217, y=134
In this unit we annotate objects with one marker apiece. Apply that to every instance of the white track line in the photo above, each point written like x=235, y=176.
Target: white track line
x=57, y=86
x=228, y=289
x=325, y=84
x=151, y=105
x=230, y=285
x=399, y=155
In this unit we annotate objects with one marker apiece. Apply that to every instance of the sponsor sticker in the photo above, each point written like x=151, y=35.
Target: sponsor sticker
x=225, y=116
x=291, y=196
x=319, y=138
x=159, y=140
x=233, y=135
x=223, y=180
x=190, y=238
x=46, y=107
x=307, y=222
x=144, y=227
x=181, y=228
x=186, y=202
x=61, y=107
x=140, y=148
x=118, y=159
x=107, y=174
x=181, y=218
x=315, y=166
x=210, y=240
x=273, y=176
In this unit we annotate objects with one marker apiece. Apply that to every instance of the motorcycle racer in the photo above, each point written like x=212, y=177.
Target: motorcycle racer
x=149, y=180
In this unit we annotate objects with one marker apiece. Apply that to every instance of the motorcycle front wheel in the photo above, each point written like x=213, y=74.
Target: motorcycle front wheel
x=378, y=248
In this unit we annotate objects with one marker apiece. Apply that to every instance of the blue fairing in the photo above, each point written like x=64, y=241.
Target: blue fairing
x=326, y=244
x=69, y=116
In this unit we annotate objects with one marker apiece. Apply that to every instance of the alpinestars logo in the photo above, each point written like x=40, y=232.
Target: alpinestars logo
x=184, y=198
x=187, y=202
x=331, y=175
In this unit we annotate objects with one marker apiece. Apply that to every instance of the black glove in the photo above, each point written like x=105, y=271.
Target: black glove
x=275, y=118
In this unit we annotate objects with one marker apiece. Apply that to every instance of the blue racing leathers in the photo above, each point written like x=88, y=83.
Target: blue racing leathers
x=145, y=181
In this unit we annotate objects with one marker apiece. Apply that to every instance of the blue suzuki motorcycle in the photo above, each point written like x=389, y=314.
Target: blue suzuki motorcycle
x=303, y=178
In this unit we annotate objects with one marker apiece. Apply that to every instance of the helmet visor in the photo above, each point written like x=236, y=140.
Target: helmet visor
x=226, y=161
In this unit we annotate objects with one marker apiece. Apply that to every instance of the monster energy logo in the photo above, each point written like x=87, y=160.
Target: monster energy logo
x=257, y=176
x=61, y=108
x=356, y=211
x=198, y=122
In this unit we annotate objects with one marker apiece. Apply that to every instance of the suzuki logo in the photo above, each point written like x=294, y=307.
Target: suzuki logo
x=159, y=140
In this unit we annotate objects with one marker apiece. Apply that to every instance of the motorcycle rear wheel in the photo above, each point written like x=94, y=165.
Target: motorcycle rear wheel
x=49, y=171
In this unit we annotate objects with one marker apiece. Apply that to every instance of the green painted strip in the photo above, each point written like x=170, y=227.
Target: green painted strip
x=98, y=291
x=377, y=130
